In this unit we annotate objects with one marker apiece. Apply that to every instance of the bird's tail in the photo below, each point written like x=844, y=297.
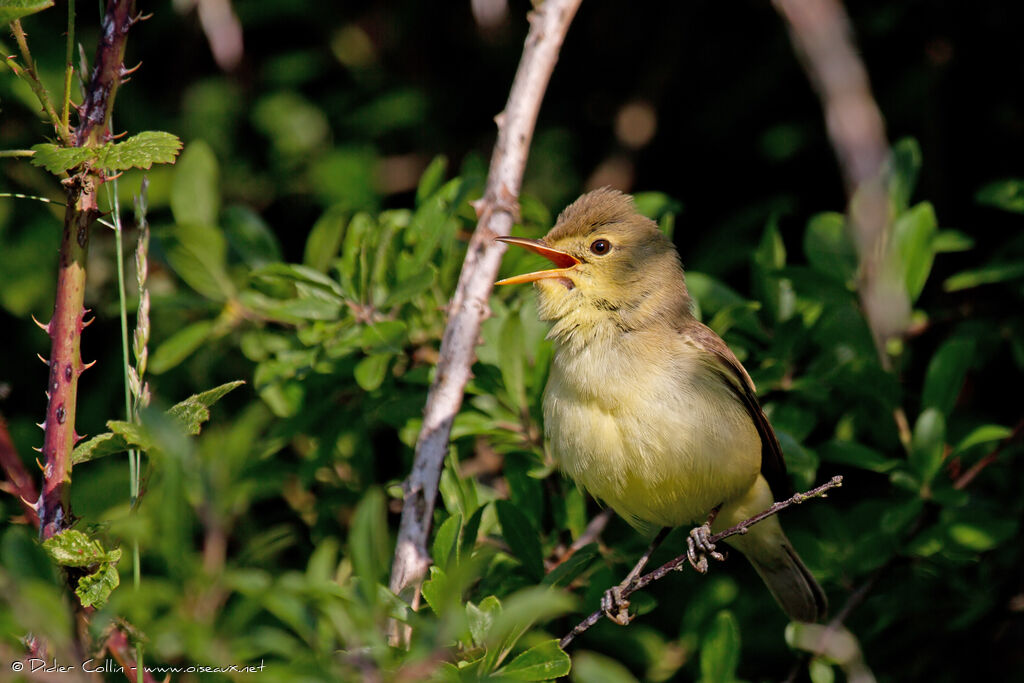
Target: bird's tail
x=789, y=580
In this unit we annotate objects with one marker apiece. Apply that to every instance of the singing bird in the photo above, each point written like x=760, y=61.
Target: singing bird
x=647, y=408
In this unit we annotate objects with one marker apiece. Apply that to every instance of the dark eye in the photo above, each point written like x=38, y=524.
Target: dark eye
x=601, y=247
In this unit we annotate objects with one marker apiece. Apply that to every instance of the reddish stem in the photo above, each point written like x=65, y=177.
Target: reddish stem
x=21, y=485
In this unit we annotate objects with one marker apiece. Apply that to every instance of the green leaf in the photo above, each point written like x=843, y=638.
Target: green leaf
x=1007, y=195
x=195, y=410
x=565, y=573
x=195, y=193
x=521, y=537
x=986, y=275
x=982, y=434
x=854, y=454
x=949, y=241
x=775, y=291
x=198, y=254
x=369, y=544
x=98, y=446
x=179, y=346
x=511, y=357
x=436, y=589
x=946, y=372
x=912, y=236
x=828, y=246
x=432, y=179
x=446, y=542
x=590, y=667
x=720, y=650
x=56, y=159
x=325, y=239
x=411, y=287
x=250, y=237
x=904, y=165
x=139, y=151
x=16, y=9
x=481, y=618
x=72, y=548
x=133, y=433
x=94, y=589
x=927, y=444
x=541, y=662
x=371, y=371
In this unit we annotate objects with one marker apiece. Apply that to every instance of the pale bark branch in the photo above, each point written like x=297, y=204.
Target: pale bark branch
x=820, y=31
x=680, y=562
x=497, y=212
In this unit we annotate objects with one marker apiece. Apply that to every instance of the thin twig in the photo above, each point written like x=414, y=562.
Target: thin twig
x=968, y=476
x=681, y=561
x=497, y=211
x=28, y=73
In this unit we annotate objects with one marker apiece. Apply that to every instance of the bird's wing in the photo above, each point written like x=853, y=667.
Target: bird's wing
x=773, y=466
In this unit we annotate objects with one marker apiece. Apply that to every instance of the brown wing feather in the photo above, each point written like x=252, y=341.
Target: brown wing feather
x=773, y=466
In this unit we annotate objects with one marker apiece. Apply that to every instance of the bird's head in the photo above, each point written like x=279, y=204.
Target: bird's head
x=612, y=265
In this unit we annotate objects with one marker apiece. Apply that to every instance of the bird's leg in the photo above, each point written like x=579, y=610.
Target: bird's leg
x=699, y=545
x=614, y=605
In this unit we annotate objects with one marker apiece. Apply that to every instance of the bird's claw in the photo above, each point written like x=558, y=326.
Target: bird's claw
x=699, y=546
x=616, y=607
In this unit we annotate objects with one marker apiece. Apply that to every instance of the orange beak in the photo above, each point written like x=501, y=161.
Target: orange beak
x=560, y=258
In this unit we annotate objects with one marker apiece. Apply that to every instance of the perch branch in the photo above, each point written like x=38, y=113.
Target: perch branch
x=496, y=213
x=820, y=31
x=678, y=563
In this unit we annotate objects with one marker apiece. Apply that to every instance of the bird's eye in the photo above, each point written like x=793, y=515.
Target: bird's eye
x=600, y=247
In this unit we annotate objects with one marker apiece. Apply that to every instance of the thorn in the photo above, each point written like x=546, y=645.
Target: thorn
x=129, y=72
x=30, y=505
x=37, y=449
x=76, y=437
x=40, y=465
x=86, y=367
x=41, y=425
x=45, y=328
x=118, y=137
x=119, y=173
x=47, y=395
x=45, y=362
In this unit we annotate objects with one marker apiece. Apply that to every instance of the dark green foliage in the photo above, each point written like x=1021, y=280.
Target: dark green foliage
x=289, y=253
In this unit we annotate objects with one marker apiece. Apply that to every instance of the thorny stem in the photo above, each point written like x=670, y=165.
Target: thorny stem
x=681, y=561
x=28, y=73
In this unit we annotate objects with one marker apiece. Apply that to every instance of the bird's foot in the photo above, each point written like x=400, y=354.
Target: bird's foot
x=699, y=546
x=616, y=607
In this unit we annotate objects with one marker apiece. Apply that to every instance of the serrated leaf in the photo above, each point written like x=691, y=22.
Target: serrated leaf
x=72, y=548
x=56, y=159
x=98, y=446
x=521, y=537
x=139, y=151
x=542, y=662
x=179, y=346
x=133, y=433
x=16, y=9
x=195, y=410
x=94, y=590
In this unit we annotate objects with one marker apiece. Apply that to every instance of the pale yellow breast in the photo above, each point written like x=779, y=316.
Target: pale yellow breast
x=644, y=426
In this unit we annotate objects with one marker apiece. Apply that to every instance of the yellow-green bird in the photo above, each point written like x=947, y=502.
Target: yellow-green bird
x=647, y=408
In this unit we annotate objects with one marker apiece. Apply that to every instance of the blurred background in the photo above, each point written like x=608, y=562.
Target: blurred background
x=302, y=111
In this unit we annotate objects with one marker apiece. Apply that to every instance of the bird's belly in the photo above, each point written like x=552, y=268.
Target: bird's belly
x=661, y=448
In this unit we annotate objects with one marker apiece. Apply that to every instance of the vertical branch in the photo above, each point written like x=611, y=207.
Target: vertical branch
x=20, y=484
x=820, y=30
x=65, y=328
x=497, y=211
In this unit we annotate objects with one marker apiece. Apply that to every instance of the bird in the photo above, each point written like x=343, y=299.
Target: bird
x=647, y=408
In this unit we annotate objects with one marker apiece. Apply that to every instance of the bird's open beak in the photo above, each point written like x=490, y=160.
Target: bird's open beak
x=560, y=258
